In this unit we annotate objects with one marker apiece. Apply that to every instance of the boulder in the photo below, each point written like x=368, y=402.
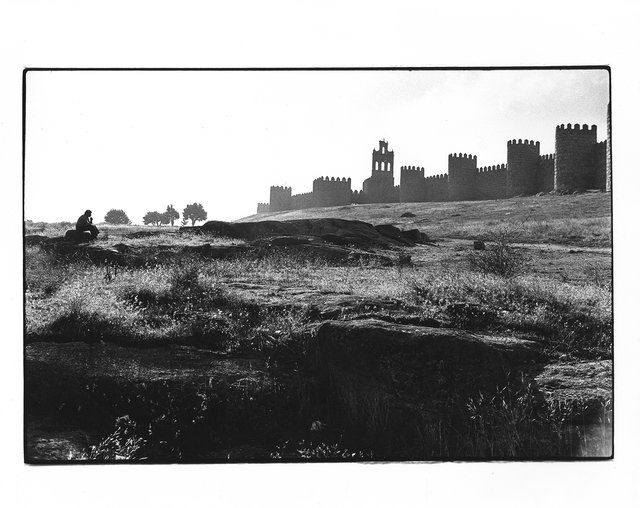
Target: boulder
x=390, y=231
x=335, y=239
x=419, y=359
x=415, y=236
x=358, y=233
x=408, y=214
x=334, y=255
x=77, y=236
x=394, y=383
x=478, y=245
x=145, y=234
x=282, y=241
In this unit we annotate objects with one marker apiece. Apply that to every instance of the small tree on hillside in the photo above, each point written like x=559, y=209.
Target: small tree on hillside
x=172, y=214
x=194, y=212
x=116, y=217
x=164, y=218
x=152, y=218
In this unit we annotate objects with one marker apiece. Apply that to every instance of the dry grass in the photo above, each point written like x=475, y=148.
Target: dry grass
x=581, y=220
x=200, y=301
x=195, y=299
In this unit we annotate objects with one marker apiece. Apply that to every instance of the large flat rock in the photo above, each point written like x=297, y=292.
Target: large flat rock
x=420, y=358
x=333, y=230
x=179, y=363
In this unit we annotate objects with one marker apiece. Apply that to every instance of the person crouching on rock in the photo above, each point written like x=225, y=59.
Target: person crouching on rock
x=85, y=223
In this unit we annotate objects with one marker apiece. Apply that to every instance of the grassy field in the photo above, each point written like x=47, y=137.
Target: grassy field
x=578, y=220
x=557, y=294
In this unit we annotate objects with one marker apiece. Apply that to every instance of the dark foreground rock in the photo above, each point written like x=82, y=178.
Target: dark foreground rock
x=352, y=232
x=394, y=383
x=421, y=359
x=77, y=236
x=81, y=251
x=185, y=402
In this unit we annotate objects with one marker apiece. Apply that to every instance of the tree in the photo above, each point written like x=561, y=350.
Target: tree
x=172, y=214
x=164, y=218
x=194, y=212
x=116, y=217
x=152, y=218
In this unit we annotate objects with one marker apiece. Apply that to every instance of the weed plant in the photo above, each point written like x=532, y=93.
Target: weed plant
x=502, y=257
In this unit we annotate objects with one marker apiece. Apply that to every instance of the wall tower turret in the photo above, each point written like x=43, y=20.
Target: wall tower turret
x=412, y=185
x=331, y=191
x=279, y=198
x=522, y=167
x=462, y=176
x=574, y=166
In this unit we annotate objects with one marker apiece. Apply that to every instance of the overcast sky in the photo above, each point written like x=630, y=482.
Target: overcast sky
x=142, y=140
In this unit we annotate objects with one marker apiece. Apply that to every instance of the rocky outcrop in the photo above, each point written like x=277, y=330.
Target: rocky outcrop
x=77, y=236
x=396, y=383
x=420, y=359
x=339, y=231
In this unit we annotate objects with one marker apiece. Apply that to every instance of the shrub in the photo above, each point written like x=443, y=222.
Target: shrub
x=194, y=212
x=501, y=257
x=121, y=444
x=154, y=218
x=114, y=216
x=81, y=323
x=171, y=214
x=44, y=273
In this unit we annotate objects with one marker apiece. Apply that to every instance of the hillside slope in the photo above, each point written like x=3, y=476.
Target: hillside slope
x=581, y=219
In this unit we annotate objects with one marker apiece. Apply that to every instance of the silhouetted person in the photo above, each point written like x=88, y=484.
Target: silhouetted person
x=85, y=223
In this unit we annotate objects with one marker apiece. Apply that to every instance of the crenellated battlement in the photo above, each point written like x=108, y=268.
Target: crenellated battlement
x=462, y=156
x=333, y=179
x=577, y=127
x=331, y=191
x=462, y=174
x=279, y=198
x=579, y=162
x=489, y=169
x=575, y=165
x=412, y=169
x=526, y=142
x=522, y=167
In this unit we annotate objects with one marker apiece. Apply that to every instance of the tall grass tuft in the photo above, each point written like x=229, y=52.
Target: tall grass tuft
x=501, y=257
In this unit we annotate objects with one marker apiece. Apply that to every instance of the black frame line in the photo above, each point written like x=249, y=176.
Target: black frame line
x=301, y=69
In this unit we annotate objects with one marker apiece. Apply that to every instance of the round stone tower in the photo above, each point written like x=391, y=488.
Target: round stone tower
x=279, y=198
x=522, y=167
x=574, y=157
x=462, y=177
x=412, y=185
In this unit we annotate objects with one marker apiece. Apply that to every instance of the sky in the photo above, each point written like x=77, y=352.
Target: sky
x=139, y=141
